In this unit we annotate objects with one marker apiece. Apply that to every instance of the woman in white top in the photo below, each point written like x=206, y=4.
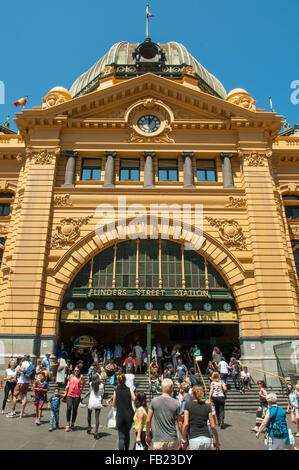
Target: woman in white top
x=95, y=402
x=60, y=376
x=217, y=395
x=10, y=376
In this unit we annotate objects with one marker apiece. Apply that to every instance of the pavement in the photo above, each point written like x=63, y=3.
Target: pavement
x=24, y=434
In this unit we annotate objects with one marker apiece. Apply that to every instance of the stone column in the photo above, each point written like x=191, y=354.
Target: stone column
x=109, y=170
x=70, y=169
x=228, y=182
x=188, y=170
x=149, y=181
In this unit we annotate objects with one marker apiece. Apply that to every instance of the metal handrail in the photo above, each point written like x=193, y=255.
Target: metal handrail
x=266, y=373
x=202, y=379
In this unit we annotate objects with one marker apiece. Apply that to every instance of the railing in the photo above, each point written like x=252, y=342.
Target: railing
x=202, y=379
x=264, y=372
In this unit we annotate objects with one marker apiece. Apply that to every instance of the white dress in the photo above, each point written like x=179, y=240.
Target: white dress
x=130, y=378
x=60, y=376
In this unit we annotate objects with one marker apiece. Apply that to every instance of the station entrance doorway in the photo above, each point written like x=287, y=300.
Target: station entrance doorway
x=151, y=291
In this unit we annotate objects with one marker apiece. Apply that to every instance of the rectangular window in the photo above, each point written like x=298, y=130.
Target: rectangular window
x=129, y=170
x=168, y=170
x=91, y=170
x=206, y=171
x=292, y=212
x=4, y=209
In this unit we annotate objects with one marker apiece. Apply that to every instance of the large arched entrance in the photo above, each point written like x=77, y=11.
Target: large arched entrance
x=139, y=286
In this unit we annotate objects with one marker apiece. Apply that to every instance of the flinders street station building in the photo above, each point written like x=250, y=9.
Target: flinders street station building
x=100, y=193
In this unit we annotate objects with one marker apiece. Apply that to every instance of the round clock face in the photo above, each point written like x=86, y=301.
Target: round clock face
x=109, y=305
x=188, y=306
x=207, y=307
x=168, y=306
x=70, y=306
x=227, y=307
x=149, y=306
x=149, y=123
x=129, y=306
x=90, y=306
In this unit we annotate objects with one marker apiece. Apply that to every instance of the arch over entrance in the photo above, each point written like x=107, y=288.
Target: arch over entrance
x=178, y=293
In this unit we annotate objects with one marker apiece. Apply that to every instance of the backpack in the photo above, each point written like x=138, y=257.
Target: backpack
x=279, y=428
x=29, y=373
x=129, y=366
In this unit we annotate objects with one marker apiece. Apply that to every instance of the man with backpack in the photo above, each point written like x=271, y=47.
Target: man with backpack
x=129, y=364
x=27, y=375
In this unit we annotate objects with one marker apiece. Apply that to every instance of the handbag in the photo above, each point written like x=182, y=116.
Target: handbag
x=139, y=446
x=111, y=419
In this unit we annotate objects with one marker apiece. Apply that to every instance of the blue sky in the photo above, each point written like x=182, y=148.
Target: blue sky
x=251, y=45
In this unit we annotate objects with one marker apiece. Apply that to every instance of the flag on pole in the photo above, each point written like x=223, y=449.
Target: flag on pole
x=271, y=104
x=21, y=101
x=148, y=14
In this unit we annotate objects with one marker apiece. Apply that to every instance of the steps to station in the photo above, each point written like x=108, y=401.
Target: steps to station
x=248, y=401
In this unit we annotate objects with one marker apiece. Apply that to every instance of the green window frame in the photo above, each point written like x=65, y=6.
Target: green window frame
x=148, y=266
x=91, y=169
x=129, y=170
x=168, y=170
x=125, y=270
x=194, y=270
x=102, y=273
x=206, y=171
x=172, y=276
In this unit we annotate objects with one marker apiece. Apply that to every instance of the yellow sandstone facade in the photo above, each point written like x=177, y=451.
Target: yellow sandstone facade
x=50, y=233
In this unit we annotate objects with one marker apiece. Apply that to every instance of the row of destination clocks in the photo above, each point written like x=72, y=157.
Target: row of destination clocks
x=149, y=306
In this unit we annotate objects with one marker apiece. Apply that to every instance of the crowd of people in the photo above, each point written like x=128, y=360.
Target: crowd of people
x=185, y=412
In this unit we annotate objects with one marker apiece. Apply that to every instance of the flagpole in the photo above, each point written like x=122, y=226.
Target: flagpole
x=147, y=22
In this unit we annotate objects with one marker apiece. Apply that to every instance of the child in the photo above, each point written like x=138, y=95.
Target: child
x=54, y=406
x=155, y=382
x=40, y=388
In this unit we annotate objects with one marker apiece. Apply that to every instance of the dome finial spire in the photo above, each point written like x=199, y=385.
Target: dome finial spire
x=148, y=15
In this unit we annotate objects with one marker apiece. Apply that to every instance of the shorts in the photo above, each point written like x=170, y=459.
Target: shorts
x=21, y=389
x=38, y=403
x=170, y=445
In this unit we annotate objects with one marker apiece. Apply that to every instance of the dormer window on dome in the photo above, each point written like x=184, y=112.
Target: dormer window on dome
x=149, y=56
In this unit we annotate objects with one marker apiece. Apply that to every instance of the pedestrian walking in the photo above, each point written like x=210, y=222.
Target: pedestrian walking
x=123, y=397
x=54, y=407
x=61, y=367
x=164, y=410
x=95, y=402
x=235, y=370
x=297, y=409
x=197, y=415
x=27, y=374
x=40, y=388
x=73, y=394
x=217, y=396
x=261, y=411
x=216, y=355
x=10, y=377
x=275, y=421
x=223, y=368
x=140, y=418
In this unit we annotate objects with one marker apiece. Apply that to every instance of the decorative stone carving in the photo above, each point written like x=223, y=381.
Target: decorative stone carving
x=230, y=232
x=107, y=70
x=56, y=96
x=44, y=157
x=3, y=230
x=294, y=232
x=255, y=159
x=68, y=231
x=157, y=107
x=189, y=70
x=241, y=98
x=3, y=185
x=236, y=202
x=62, y=201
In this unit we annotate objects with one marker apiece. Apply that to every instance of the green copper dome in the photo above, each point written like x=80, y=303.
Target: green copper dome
x=171, y=58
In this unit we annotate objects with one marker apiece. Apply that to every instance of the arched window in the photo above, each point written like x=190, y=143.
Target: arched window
x=149, y=264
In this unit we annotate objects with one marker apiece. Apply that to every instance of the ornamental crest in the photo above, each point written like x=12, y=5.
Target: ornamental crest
x=44, y=157
x=236, y=202
x=256, y=159
x=230, y=232
x=68, y=231
x=62, y=201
